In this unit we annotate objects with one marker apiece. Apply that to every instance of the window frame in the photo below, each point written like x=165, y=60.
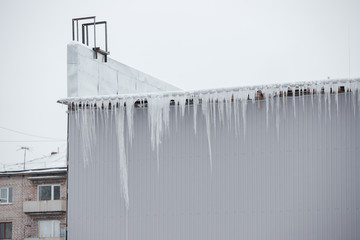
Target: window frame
x=7, y=195
x=53, y=228
x=52, y=191
x=5, y=223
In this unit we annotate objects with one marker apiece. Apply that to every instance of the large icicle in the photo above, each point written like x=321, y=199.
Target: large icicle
x=195, y=105
x=242, y=96
x=278, y=117
x=129, y=102
x=205, y=107
x=120, y=124
x=158, y=116
x=85, y=120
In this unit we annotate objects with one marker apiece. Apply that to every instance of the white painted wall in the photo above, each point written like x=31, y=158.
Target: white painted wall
x=88, y=76
x=293, y=175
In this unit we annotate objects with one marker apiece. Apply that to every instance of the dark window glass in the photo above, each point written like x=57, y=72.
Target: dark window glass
x=44, y=193
x=5, y=231
x=8, y=231
x=10, y=195
x=56, y=192
x=2, y=230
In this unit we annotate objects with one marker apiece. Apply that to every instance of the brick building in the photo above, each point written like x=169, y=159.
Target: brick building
x=33, y=201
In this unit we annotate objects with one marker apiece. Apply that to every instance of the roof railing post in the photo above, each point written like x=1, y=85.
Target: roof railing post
x=73, y=30
x=83, y=34
x=106, y=46
x=87, y=35
x=94, y=32
x=77, y=30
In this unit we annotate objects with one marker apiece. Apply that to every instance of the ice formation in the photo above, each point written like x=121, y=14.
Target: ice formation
x=217, y=107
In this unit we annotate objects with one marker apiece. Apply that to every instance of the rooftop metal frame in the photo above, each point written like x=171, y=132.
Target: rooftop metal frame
x=85, y=34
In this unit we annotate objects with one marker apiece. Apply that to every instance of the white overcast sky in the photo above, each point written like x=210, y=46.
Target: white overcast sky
x=193, y=44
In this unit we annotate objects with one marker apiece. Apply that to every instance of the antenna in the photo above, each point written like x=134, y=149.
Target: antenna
x=25, y=149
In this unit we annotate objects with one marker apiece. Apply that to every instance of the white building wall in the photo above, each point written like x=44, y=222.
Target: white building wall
x=299, y=180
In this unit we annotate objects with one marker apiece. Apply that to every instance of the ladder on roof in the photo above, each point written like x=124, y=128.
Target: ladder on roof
x=85, y=34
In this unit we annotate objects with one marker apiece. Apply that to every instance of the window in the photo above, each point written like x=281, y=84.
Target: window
x=6, y=195
x=5, y=231
x=48, y=192
x=49, y=228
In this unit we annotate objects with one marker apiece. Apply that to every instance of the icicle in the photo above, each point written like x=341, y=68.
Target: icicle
x=267, y=95
x=87, y=133
x=278, y=116
x=221, y=99
x=195, y=105
x=214, y=112
x=130, y=117
x=243, y=97
x=336, y=92
x=318, y=92
x=120, y=122
x=158, y=115
x=271, y=92
x=312, y=97
x=182, y=103
x=294, y=104
x=236, y=114
x=353, y=92
x=228, y=110
x=244, y=109
x=176, y=106
x=327, y=88
x=284, y=95
x=358, y=94
x=302, y=98
x=355, y=88
x=206, y=112
x=254, y=96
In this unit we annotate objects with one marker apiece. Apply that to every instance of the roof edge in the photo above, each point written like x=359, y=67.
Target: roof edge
x=197, y=93
x=35, y=171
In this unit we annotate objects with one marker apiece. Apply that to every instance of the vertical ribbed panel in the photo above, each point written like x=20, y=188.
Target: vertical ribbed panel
x=298, y=182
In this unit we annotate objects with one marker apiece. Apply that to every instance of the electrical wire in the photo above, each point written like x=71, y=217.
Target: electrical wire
x=31, y=135
x=49, y=141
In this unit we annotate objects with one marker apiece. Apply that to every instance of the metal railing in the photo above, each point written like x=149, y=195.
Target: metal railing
x=85, y=34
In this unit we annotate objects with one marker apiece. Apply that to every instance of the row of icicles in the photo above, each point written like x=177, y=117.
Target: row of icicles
x=158, y=108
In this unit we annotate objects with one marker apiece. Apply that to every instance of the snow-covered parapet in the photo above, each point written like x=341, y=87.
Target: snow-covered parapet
x=88, y=76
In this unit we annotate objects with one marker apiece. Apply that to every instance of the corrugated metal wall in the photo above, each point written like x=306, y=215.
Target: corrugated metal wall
x=298, y=182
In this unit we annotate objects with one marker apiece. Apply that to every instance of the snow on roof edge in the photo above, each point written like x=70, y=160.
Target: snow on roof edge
x=35, y=171
x=278, y=86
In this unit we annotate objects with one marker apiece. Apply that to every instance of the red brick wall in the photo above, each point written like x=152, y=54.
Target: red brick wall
x=24, y=225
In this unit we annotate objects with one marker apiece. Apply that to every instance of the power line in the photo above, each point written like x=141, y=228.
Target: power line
x=49, y=141
x=31, y=135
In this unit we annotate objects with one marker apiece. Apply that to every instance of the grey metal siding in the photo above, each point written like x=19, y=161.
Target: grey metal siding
x=298, y=182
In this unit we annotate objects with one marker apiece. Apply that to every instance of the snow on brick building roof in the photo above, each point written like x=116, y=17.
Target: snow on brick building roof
x=53, y=162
